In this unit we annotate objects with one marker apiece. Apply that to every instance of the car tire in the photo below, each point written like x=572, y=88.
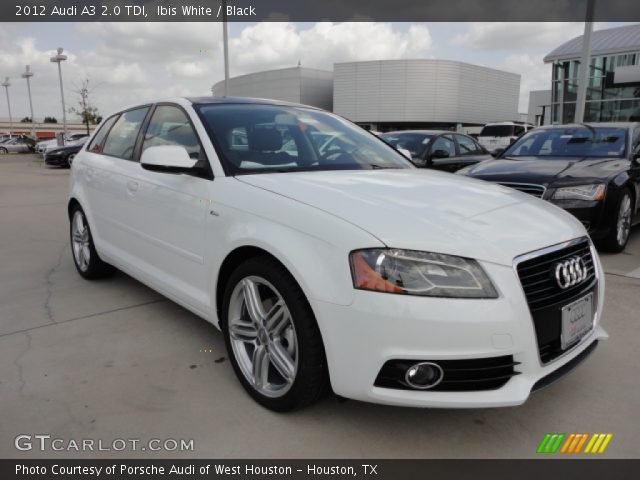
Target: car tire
x=276, y=350
x=618, y=236
x=69, y=159
x=83, y=251
x=3, y=151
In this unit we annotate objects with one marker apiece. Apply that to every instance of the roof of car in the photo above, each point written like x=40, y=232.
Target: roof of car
x=426, y=132
x=594, y=125
x=244, y=100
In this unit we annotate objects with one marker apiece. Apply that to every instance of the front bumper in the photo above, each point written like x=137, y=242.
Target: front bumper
x=55, y=159
x=589, y=213
x=378, y=327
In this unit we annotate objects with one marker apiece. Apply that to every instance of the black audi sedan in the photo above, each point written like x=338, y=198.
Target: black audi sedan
x=438, y=149
x=63, y=156
x=590, y=170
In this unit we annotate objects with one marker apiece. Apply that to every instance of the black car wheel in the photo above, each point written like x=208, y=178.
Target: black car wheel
x=618, y=236
x=69, y=159
x=3, y=151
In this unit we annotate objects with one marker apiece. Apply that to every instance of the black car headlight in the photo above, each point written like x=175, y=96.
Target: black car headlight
x=412, y=272
x=593, y=191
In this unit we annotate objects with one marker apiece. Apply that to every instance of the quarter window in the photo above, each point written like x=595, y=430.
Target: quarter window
x=97, y=143
x=122, y=138
x=169, y=125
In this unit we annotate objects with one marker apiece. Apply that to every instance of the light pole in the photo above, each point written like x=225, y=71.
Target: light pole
x=583, y=70
x=6, y=84
x=225, y=42
x=27, y=75
x=59, y=58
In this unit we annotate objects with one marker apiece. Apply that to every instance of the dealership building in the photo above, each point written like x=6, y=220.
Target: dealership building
x=613, y=92
x=393, y=94
x=309, y=86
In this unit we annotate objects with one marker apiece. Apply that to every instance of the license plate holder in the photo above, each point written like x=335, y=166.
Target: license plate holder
x=577, y=320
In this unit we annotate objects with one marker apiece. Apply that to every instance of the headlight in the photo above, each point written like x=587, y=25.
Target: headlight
x=593, y=191
x=419, y=273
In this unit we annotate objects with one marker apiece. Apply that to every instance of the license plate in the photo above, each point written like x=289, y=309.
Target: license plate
x=577, y=320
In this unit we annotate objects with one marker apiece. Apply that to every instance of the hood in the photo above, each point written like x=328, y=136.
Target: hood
x=429, y=210
x=547, y=171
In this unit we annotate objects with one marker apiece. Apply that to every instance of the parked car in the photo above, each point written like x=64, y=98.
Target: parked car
x=590, y=170
x=499, y=135
x=63, y=156
x=438, y=149
x=350, y=267
x=19, y=144
x=42, y=146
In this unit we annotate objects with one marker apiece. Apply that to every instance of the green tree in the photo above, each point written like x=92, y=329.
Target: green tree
x=26, y=120
x=85, y=109
x=50, y=120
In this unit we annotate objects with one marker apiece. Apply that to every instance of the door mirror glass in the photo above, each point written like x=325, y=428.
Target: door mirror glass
x=497, y=152
x=167, y=158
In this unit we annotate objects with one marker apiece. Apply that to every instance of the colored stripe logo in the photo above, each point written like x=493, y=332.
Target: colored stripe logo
x=574, y=443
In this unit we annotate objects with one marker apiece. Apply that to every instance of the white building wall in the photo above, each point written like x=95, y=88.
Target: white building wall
x=424, y=91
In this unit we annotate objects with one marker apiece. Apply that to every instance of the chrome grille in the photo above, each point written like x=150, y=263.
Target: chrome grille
x=531, y=189
x=545, y=297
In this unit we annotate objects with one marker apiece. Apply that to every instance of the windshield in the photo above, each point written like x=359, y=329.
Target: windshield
x=416, y=143
x=570, y=142
x=497, y=131
x=273, y=138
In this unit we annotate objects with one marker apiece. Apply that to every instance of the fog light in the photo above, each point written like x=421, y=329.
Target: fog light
x=424, y=375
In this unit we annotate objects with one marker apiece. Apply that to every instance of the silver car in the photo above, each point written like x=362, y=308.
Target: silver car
x=17, y=145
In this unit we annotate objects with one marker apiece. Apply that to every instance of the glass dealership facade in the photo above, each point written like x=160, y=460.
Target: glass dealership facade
x=605, y=102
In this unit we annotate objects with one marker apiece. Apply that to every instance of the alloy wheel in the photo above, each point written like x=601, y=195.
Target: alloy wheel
x=70, y=158
x=624, y=220
x=80, y=241
x=263, y=336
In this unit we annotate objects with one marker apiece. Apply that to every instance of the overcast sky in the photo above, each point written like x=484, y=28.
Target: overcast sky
x=127, y=63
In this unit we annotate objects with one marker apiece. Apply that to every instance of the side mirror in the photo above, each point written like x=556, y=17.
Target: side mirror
x=497, y=152
x=439, y=154
x=167, y=158
x=405, y=152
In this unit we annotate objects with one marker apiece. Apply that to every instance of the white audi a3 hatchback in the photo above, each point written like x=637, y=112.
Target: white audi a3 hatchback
x=336, y=263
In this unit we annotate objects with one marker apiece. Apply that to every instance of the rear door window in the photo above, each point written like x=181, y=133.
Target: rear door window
x=121, y=140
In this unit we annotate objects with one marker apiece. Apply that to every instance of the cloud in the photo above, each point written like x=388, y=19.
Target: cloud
x=535, y=75
x=277, y=45
x=504, y=36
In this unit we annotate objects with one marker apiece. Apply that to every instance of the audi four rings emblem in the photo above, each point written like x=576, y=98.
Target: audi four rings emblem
x=570, y=272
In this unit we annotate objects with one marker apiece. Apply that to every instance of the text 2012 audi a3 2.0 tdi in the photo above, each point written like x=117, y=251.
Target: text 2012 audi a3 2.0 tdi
x=336, y=263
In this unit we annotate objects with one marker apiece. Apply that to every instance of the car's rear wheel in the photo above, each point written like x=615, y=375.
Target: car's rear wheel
x=272, y=336
x=3, y=151
x=85, y=256
x=618, y=236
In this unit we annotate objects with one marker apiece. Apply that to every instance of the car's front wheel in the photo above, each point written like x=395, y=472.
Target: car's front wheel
x=618, y=236
x=3, y=151
x=85, y=256
x=272, y=336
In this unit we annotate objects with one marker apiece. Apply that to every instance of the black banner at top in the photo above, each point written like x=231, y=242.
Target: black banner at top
x=315, y=10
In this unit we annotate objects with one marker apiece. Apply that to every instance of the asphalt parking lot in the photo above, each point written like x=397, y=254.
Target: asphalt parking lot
x=113, y=359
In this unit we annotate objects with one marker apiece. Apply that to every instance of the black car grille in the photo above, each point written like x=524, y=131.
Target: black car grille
x=458, y=375
x=546, y=298
x=531, y=189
